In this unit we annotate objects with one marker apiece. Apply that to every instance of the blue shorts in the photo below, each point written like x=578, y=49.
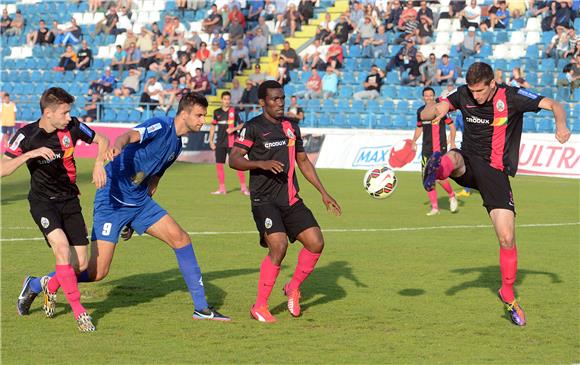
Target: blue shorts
x=110, y=216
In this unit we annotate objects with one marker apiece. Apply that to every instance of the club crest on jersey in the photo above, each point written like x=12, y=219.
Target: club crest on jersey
x=268, y=223
x=66, y=142
x=290, y=134
x=44, y=222
x=500, y=106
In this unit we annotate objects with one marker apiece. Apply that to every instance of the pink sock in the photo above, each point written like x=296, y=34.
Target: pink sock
x=268, y=274
x=306, y=262
x=508, y=264
x=53, y=284
x=242, y=178
x=221, y=176
x=446, y=185
x=433, y=198
x=68, y=281
x=445, y=169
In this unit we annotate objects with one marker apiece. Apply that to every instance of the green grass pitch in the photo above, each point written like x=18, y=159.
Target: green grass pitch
x=393, y=286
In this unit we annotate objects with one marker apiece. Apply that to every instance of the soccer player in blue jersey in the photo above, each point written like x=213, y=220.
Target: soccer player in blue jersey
x=139, y=160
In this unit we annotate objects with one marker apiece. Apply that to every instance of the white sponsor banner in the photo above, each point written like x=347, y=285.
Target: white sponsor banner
x=540, y=154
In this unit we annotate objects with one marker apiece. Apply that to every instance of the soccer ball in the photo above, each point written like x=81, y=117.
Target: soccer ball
x=380, y=182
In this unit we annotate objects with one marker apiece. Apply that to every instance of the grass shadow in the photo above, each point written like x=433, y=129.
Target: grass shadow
x=139, y=289
x=324, y=281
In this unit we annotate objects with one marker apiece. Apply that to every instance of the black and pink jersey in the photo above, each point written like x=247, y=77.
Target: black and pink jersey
x=225, y=119
x=55, y=179
x=265, y=140
x=434, y=134
x=493, y=130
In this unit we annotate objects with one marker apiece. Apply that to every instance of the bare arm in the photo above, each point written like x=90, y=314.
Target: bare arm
x=239, y=162
x=124, y=139
x=99, y=174
x=452, y=133
x=8, y=165
x=211, y=137
x=434, y=111
x=310, y=174
x=416, y=135
x=562, y=131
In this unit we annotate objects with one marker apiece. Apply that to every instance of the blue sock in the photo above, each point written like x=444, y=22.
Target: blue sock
x=83, y=277
x=192, y=275
x=35, y=283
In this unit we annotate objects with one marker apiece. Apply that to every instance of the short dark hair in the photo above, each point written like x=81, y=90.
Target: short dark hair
x=189, y=99
x=6, y=94
x=53, y=97
x=226, y=93
x=264, y=86
x=478, y=72
x=428, y=88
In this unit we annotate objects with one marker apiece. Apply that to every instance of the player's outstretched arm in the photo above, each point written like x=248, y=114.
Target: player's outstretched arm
x=562, y=131
x=435, y=111
x=8, y=165
x=309, y=172
x=211, y=137
x=99, y=174
x=239, y=162
x=452, y=133
x=416, y=135
x=131, y=136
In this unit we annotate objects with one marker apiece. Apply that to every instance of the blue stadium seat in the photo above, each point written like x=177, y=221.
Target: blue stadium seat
x=355, y=51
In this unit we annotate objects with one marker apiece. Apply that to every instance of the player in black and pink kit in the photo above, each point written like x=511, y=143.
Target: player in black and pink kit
x=435, y=140
x=274, y=148
x=489, y=154
x=228, y=123
x=47, y=147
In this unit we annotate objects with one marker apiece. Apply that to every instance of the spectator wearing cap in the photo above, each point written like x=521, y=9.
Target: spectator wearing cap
x=313, y=87
x=372, y=85
x=257, y=77
x=471, y=44
x=471, y=15
x=85, y=56
x=294, y=111
x=289, y=55
x=130, y=85
x=445, y=71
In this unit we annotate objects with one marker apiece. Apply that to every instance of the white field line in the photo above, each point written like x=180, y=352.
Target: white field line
x=333, y=230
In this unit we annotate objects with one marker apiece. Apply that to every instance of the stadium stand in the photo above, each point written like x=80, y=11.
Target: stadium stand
x=523, y=44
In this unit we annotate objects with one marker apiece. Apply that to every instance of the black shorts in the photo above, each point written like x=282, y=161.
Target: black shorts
x=292, y=220
x=493, y=184
x=221, y=153
x=66, y=215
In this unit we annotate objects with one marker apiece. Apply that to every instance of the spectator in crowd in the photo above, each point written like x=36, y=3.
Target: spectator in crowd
x=428, y=70
x=236, y=30
x=290, y=57
x=257, y=77
x=151, y=95
x=236, y=14
x=325, y=29
x=145, y=40
x=471, y=15
x=85, y=56
x=240, y=58
x=200, y=83
x=563, y=16
x=237, y=91
x=501, y=20
x=202, y=53
x=5, y=21
x=130, y=85
x=91, y=109
x=559, y=47
x=424, y=31
x=105, y=84
x=571, y=77
x=219, y=71
x=8, y=113
x=107, y=25
x=255, y=8
x=518, y=80
x=377, y=45
x=313, y=56
x=408, y=21
x=170, y=95
x=357, y=14
x=306, y=10
x=372, y=85
x=41, y=36
x=335, y=55
x=294, y=111
x=250, y=94
x=394, y=16
x=343, y=28
x=364, y=31
x=445, y=71
x=151, y=60
x=130, y=37
x=292, y=18
x=167, y=69
x=261, y=25
x=258, y=46
x=193, y=64
x=16, y=25
x=414, y=76
x=68, y=60
x=498, y=77
x=402, y=59
x=132, y=57
x=283, y=73
x=118, y=60
x=182, y=68
x=213, y=22
x=471, y=44
x=71, y=35
x=330, y=83
x=124, y=24
x=313, y=87
x=425, y=11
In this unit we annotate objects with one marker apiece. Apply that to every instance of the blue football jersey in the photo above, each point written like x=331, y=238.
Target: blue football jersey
x=129, y=174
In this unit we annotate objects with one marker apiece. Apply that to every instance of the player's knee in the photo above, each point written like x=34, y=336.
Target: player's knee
x=82, y=266
x=99, y=274
x=507, y=240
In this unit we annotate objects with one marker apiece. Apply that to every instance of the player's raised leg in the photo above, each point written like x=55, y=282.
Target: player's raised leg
x=277, y=243
x=440, y=167
x=313, y=243
x=167, y=230
x=504, y=224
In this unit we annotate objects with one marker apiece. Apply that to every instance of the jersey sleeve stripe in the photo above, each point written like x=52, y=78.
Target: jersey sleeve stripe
x=244, y=143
